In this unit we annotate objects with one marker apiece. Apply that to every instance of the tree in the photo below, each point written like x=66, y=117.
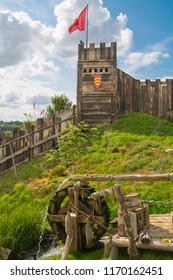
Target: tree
x=73, y=144
x=58, y=102
x=29, y=119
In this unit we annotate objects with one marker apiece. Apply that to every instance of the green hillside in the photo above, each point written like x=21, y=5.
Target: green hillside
x=135, y=144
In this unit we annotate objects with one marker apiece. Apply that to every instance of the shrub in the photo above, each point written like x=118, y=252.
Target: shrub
x=58, y=170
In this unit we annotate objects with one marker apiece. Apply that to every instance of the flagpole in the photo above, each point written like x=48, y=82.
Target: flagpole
x=87, y=27
x=34, y=109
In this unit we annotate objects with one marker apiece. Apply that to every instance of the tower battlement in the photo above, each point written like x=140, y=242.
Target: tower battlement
x=97, y=53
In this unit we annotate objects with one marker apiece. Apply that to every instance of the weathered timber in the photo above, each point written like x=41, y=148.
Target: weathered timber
x=96, y=104
x=69, y=229
x=94, y=220
x=158, y=236
x=118, y=93
x=131, y=177
x=34, y=141
x=13, y=159
x=132, y=250
x=76, y=199
x=154, y=244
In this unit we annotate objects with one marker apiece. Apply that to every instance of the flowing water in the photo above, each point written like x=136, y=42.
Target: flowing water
x=52, y=252
x=47, y=247
x=42, y=233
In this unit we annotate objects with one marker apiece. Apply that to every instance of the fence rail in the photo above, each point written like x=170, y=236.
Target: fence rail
x=34, y=141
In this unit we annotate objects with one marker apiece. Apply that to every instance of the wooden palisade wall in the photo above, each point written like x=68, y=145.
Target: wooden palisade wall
x=118, y=93
x=35, y=140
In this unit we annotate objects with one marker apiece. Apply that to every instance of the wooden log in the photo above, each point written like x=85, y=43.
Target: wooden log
x=169, y=151
x=154, y=244
x=113, y=177
x=133, y=221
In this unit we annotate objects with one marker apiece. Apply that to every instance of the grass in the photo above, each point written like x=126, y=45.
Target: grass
x=19, y=230
x=136, y=143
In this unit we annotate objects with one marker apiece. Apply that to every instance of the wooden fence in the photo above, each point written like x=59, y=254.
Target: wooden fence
x=154, y=98
x=34, y=141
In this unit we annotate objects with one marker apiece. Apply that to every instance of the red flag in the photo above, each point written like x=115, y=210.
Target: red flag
x=42, y=112
x=34, y=104
x=79, y=22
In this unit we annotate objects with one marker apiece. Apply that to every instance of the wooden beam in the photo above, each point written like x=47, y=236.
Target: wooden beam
x=128, y=177
x=154, y=244
x=81, y=219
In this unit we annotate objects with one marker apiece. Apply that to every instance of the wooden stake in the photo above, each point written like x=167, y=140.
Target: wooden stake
x=133, y=253
x=13, y=160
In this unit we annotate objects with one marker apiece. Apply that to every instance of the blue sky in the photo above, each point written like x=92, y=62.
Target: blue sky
x=38, y=58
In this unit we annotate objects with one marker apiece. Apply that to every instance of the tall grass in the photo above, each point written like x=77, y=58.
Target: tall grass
x=20, y=230
x=20, y=220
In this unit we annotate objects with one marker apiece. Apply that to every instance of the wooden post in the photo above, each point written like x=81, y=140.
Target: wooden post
x=113, y=253
x=73, y=194
x=70, y=235
x=132, y=250
x=13, y=159
x=76, y=226
x=108, y=246
x=146, y=215
x=28, y=129
x=133, y=221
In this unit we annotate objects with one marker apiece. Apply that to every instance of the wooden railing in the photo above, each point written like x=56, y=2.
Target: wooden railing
x=34, y=141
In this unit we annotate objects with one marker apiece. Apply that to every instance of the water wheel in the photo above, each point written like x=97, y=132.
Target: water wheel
x=63, y=202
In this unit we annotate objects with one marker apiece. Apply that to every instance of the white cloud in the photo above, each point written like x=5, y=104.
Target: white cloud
x=37, y=60
x=136, y=60
x=101, y=25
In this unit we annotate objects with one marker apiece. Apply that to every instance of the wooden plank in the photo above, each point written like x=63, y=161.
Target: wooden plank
x=154, y=244
x=60, y=218
x=14, y=154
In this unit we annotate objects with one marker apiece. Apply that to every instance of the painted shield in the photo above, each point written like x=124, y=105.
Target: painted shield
x=97, y=80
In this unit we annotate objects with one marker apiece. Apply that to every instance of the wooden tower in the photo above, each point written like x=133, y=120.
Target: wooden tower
x=96, y=83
